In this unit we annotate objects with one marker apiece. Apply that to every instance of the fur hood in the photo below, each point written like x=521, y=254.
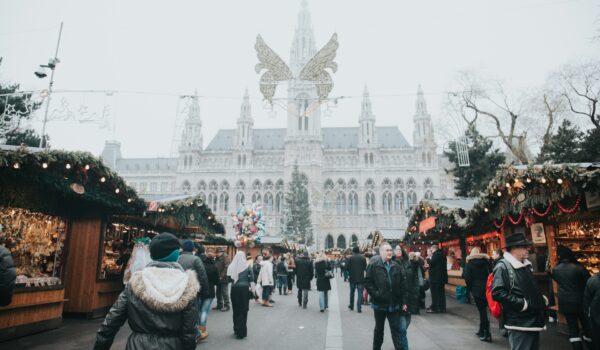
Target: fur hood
x=478, y=256
x=165, y=288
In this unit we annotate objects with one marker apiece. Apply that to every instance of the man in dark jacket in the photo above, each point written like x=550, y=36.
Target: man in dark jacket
x=516, y=290
x=8, y=276
x=356, y=264
x=159, y=301
x=222, y=263
x=591, y=308
x=189, y=261
x=304, y=274
x=571, y=278
x=209, y=295
x=389, y=295
x=476, y=274
x=438, y=277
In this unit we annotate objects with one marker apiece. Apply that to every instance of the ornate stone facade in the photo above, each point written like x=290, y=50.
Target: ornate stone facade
x=360, y=178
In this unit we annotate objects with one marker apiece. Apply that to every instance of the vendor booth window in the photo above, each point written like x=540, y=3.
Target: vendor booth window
x=36, y=242
x=116, y=247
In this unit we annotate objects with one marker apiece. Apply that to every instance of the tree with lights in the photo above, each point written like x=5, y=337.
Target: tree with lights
x=298, y=225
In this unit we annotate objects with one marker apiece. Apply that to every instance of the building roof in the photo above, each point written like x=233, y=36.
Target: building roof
x=333, y=138
x=147, y=164
x=457, y=203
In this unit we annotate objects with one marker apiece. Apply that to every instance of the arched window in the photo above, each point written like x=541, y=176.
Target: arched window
x=353, y=240
x=370, y=184
x=279, y=201
x=328, y=202
x=328, y=184
x=244, y=160
x=398, y=183
x=370, y=201
x=341, y=203
x=224, y=202
x=411, y=199
x=279, y=185
x=213, y=186
x=366, y=159
x=352, y=184
x=341, y=184
x=240, y=185
x=329, y=242
x=186, y=187
x=386, y=183
x=239, y=199
x=411, y=183
x=371, y=158
x=268, y=199
x=341, y=242
x=387, y=202
x=428, y=194
x=224, y=185
x=212, y=201
x=256, y=197
x=399, y=202
x=352, y=203
x=428, y=183
x=256, y=185
x=268, y=185
x=239, y=160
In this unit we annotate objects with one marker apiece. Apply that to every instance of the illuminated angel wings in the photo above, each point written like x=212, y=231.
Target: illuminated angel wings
x=314, y=70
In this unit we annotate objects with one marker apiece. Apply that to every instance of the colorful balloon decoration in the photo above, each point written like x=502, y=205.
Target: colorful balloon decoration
x=249, y=225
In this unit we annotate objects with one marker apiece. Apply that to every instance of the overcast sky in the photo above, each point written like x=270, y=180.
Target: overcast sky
x=177, y=47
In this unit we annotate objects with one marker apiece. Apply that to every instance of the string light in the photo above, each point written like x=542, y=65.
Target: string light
x=117, y=190
x=68, y=166
x=87, y=167
x=528, y=180
x=102, y=179
x=45, y=165
x=16, y=166
x=486, y=210
x=499, y=194
x=560, y=181
x=507, y=185
x=543, y=180
x=129, y=200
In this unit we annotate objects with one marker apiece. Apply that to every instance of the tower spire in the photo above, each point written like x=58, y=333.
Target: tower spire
x=303, y=45
x=366, y=110
x=243, y=135
x=368, y=133
x=421, y=105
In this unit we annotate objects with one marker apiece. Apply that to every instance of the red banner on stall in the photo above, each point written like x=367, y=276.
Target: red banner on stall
x=427, y=224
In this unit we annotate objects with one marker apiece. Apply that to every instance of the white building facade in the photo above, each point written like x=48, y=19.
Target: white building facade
x=361, y=178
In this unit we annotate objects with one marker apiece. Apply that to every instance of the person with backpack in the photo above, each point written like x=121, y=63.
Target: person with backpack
x=571, y=278
x=516, y=290
x=476, y=274
x=591, y=308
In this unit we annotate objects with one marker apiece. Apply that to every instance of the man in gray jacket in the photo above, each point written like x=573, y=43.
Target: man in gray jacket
x=189, y=261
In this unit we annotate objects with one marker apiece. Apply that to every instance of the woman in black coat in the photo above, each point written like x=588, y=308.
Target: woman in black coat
x=240, y=273
x=323, y=284
x=476, y=274
x=571, y=277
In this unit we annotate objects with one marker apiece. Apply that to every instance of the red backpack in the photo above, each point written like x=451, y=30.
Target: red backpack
x=496, y=307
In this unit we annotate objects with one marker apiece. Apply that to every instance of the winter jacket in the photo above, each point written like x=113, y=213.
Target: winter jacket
x=411, y=277
x=189, y=261
x=256, y=271
x=304, y=273
x=160, y=304
x=522, y=303
x=212, y=274
x=357, y=265
x=222, y=263
x=265, y=276
x=323, y=283
x=476, y=273
x=591, y=303
x=438, y=269
x=282, y=269
x=571, y=279
x=8, y=276
x=385, y=291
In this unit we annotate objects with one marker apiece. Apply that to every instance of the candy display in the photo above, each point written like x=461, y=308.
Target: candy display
x=249, y=225
x=118, y=242
x=36, y=243
x=583, y=238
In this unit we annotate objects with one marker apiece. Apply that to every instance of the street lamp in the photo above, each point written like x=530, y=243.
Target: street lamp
x=42, y=73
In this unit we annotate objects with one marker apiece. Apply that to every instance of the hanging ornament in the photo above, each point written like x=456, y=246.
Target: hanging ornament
x=77, y=188
x=521, y=197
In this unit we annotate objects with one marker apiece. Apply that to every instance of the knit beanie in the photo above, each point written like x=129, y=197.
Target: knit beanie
x=187, y=245
x=163, y=247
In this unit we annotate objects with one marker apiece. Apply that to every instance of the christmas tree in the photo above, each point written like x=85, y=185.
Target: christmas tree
x=564, y=146
x=298, y=225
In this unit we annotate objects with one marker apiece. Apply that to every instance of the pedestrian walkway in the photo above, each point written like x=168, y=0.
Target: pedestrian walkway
x=287, y=326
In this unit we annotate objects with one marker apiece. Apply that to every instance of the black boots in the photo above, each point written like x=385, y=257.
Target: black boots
x=486, y=336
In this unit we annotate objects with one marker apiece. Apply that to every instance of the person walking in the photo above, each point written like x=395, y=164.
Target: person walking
x=8, y=275
x=572, y=278
x=222, y=263
x=591, y=308
x=357, y=265
x=410, y=273
x=209, y=295
x=265, y=279
x=388, y=292
x=160, y=303
x=304, y=275
x=497, y=256
x=323, y=273
x=189, y=261
x=475, y=274
x=438, y=277
x=515, y=288
x=240, y=273
x=282, y=274
x=291, y=272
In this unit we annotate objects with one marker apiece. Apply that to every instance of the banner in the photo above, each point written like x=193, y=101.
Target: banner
x=427, y=224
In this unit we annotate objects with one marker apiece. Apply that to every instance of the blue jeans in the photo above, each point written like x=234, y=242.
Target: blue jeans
x=323, y=299
x=203, y=310
x=404, y=323
x=359, y=287
x=282, y=283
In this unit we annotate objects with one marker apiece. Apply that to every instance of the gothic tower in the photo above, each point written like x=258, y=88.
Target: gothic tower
x=367, y=133
x=423, y=137
x=191, y=138
x=243, y=134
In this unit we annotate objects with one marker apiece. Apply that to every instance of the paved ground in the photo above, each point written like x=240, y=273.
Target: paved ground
x=288, y=327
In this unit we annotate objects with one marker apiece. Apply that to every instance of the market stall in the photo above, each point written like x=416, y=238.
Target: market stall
x=49, y=201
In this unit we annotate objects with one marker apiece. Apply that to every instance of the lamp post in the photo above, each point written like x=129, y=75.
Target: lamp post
x=41, y=73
